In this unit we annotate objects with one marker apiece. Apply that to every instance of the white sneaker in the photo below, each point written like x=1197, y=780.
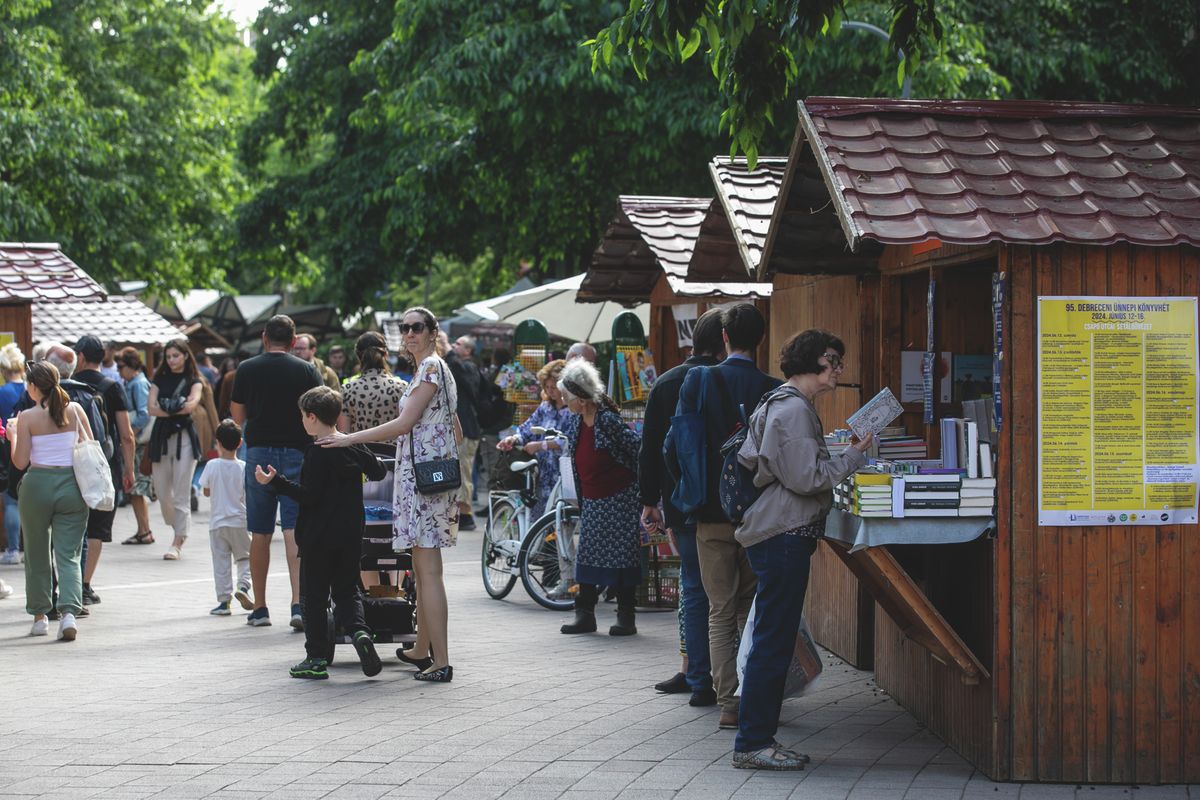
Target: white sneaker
x=41, y=627
x=5, y=590
x=11, y=557
x=67, y=628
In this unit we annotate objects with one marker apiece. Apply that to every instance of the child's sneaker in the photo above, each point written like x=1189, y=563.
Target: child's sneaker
x=259, y=618
x=313, y=668
x=371, y=665
x=222, y=609
x=242, y=595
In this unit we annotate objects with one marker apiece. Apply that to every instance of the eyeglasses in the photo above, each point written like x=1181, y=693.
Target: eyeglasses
x=835, y=361
x=416, y=327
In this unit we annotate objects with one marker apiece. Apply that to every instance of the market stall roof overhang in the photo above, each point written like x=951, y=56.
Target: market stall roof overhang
x=648, y=236
x=730, y=243
x=41, y=271
x=120, y=318
x=972, y=172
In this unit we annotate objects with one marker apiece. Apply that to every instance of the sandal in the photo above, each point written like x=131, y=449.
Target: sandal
x=172, y=554
x=439, y=675
x=145, y=537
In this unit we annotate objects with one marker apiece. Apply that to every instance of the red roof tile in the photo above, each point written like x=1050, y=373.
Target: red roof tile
x=42, y=272
x=969, y=172
x=120, y=318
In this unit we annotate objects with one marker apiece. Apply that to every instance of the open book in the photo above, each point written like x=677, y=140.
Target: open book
x=878, y=412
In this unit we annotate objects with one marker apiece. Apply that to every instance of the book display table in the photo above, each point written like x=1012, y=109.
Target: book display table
x=862, y=532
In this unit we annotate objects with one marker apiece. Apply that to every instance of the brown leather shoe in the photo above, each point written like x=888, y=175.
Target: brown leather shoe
x=728, y=721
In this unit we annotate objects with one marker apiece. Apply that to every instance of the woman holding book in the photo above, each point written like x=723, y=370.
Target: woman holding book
x=786, y=451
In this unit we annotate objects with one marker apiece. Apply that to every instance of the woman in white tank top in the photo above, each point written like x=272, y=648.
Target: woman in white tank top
x=43, y=439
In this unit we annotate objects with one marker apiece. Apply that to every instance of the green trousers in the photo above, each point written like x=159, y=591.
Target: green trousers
x=53, y=516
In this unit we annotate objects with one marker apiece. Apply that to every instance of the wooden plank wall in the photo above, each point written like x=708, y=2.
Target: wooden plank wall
x=1105, y=678
x=839, y=612
x=18, y=318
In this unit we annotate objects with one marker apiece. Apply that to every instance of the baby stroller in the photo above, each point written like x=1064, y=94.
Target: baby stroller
x=390, y=607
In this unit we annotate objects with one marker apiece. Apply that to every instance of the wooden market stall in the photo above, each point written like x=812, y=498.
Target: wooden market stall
x=1063, y=647
x=32, y=273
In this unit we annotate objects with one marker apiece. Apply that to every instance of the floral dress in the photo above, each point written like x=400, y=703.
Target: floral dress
x=544, y=416
x=426, y=520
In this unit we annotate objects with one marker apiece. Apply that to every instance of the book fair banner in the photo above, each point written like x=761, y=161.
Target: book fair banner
x=1117, y=422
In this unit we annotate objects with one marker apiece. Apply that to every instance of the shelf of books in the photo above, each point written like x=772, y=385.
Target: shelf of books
x=902, y=482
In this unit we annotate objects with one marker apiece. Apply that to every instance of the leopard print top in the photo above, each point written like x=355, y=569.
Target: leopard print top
x=371, y=399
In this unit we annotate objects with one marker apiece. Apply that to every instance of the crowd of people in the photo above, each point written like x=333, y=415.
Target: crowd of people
x=280, y=439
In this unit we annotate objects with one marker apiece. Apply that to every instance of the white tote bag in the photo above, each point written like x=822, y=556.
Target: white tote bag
x=92, y=473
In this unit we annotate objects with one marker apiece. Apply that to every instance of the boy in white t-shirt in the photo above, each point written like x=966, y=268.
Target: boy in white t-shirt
x=223, y=480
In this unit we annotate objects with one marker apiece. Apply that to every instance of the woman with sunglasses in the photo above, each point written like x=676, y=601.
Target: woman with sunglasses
x=426, y=429
x=785, y=448
x=175, y=393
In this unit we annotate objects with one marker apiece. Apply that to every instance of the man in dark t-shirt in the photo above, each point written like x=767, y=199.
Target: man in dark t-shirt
x=266, y=390
x=90, y=355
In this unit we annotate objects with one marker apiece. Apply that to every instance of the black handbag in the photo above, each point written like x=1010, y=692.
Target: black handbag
x=440, y=474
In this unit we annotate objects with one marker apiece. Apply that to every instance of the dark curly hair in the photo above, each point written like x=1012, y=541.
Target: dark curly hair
x=800, y=354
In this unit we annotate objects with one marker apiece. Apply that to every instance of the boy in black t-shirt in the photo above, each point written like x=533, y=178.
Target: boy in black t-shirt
x=329, y=534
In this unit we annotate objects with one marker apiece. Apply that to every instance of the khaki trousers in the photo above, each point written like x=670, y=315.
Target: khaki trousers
x=730, y=584
x=466, y=465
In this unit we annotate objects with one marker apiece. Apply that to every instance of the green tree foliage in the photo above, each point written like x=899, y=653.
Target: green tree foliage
x=389, y=136
x=117, y=124
x=450, y=284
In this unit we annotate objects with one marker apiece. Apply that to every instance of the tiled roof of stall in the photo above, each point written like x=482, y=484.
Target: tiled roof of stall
x=120, y=318
x=42, y=272
x=649, y=235
x=742, y=214
x=969, y=172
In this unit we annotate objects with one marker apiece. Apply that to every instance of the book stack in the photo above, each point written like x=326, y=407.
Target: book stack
x=872, y=494
x=900, y=447
x=837, y=442
x=963, y=449
x=927, y=494
x=977, y=497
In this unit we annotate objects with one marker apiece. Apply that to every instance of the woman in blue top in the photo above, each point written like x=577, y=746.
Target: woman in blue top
x=12, y=364
x=137, y=392
x=552, y=413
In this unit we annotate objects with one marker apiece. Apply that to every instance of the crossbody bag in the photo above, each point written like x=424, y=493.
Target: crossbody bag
x=436, y=475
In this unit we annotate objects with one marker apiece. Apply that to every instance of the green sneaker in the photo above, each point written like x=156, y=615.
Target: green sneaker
x=314, y=668
x=371, y=665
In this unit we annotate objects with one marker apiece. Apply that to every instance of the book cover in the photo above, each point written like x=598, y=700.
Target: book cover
x=972, y=377
x=872, y=479
x=916, y=495
x=878, y=412
x=910, y=504
x=898, y=490
x=931, y=512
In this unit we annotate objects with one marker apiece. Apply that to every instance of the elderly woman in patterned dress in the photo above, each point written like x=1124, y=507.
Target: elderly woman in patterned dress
x=552, y=413
x=424, y=523
x=604, y=453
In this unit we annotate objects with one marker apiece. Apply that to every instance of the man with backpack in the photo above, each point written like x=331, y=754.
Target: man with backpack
x=656, y=484
x=731, y=391
x=105, y=403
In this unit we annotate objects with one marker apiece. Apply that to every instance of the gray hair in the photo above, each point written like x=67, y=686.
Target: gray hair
x=579, y=379
x=61, y=356
x=467, y=342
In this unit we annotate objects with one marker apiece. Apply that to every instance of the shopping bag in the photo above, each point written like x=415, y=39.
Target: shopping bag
x=92, y=474
x=806, y=662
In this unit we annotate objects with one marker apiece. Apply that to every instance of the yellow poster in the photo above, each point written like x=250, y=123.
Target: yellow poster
x=1117, y=423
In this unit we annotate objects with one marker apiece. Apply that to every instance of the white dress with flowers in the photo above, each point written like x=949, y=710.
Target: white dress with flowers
x=426, y=520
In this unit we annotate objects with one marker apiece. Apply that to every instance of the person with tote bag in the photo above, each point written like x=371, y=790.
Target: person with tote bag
x=44, y=440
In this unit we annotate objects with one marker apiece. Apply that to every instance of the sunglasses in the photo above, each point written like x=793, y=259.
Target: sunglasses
x=416, y=327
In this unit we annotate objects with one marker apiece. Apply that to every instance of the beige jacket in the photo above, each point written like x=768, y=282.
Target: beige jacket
x=786, y=450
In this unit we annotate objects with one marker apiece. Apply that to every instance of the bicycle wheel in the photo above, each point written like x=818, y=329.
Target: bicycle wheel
x=541, y=571
x=501, y=547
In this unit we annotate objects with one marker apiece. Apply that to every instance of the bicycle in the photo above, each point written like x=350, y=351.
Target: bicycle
x=541, y=551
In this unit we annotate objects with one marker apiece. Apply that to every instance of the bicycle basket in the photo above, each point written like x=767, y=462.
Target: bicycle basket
x=503, y=479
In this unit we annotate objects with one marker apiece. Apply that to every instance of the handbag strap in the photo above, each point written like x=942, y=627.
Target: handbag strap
x=446, y=393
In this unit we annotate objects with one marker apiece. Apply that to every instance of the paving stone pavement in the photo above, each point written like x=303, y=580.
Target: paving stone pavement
x=158, y=699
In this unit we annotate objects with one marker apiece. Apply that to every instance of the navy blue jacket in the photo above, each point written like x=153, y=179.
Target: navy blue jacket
x=747, y=384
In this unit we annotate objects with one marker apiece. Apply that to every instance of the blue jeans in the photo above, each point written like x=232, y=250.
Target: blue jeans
x=781, y=564
x=693, y=609
x=12, y=523
x=262, y=501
